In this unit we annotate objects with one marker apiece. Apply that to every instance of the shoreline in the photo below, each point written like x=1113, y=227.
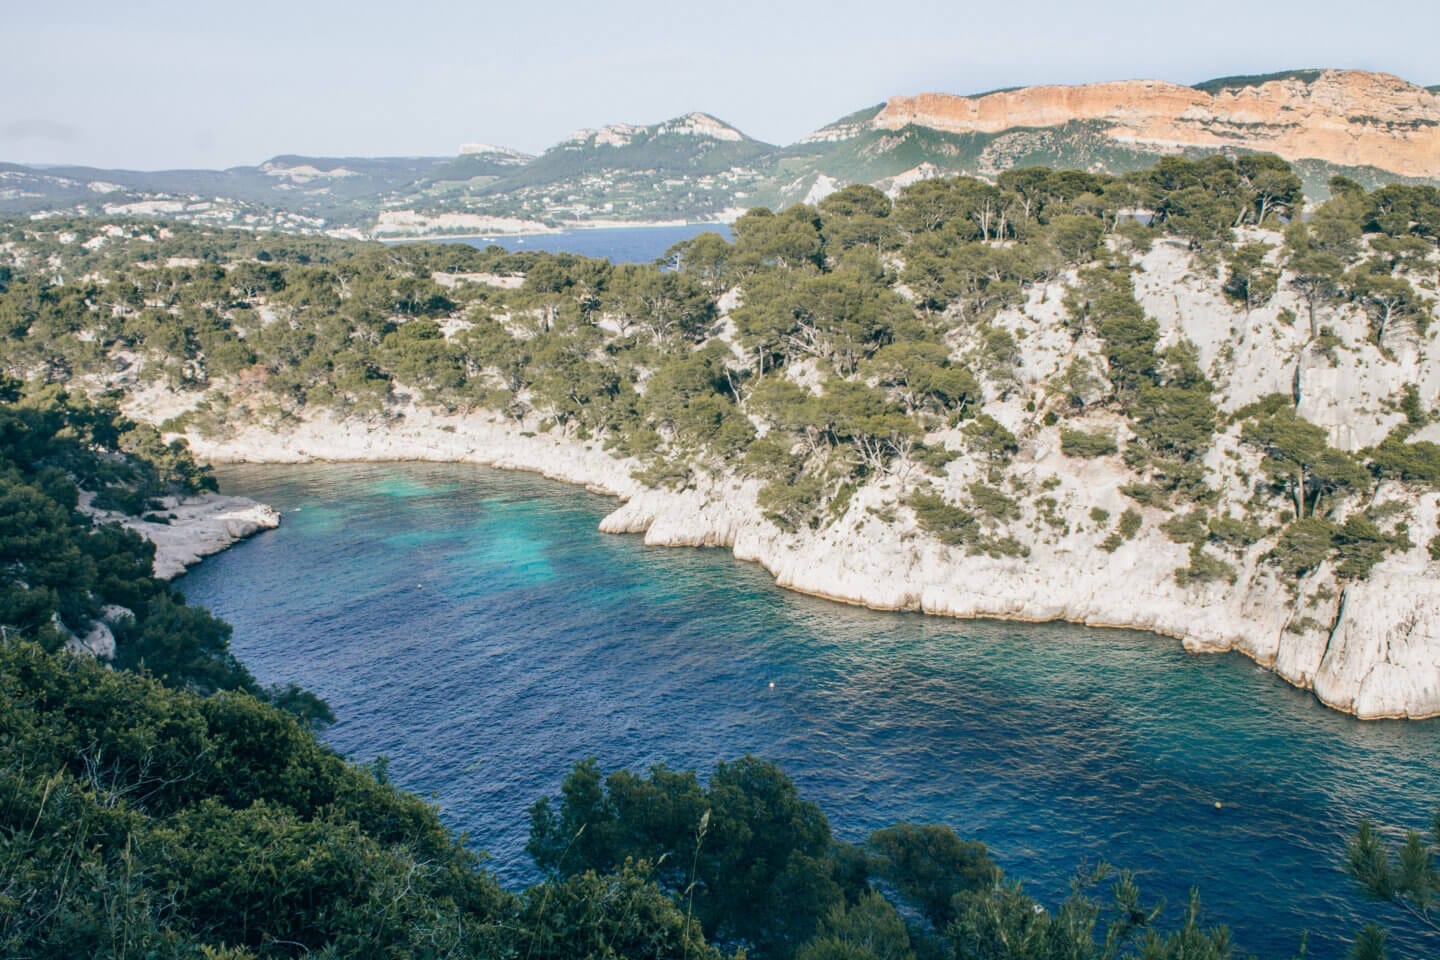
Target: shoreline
x=893, y=572
x=195, y=527
x=566, y=226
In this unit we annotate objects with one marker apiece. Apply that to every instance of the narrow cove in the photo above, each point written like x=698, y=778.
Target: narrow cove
x=474, y=627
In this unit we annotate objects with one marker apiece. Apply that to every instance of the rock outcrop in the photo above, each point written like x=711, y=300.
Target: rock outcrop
x=1373, y=650
x=187, y=529
x=1368, y=646
x=1345, y=117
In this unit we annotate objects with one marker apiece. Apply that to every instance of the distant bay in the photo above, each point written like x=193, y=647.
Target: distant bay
x=642, y=244
x=473, y=626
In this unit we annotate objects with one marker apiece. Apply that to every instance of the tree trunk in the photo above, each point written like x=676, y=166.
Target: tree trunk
x=1295, y=381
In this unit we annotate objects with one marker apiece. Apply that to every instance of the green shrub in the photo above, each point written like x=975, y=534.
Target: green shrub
x=944, y=521
x=1125, y=529
x=791, y=504
x=989, y=438
x=929, y=865
x=1395, y=459
x=1235, y=532
x=1146, y=494
x=1304, y=545
x=935, y=456
x=1130, y=522
x=992, y=503
x=1187, y=527
x=1360, y=544
x=1204, y=568
x=1079, y=443
x=1001, y=547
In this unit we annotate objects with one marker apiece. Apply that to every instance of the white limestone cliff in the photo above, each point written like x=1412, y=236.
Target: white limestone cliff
x=1363, y=658
x=188, y=529
x=1368, y=647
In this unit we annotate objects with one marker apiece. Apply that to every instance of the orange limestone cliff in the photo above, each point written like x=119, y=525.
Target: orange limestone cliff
x=1346, y=117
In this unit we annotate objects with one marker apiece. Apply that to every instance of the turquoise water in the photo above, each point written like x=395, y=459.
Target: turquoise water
x=473, y=626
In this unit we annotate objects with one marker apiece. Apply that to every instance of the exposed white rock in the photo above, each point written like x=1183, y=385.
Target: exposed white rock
x=452, y=280
x=613, y=135
x=1371, y=648
x=114, y=614
x=99, y=642
x=499, y=154
x=304, y=172
x=701, y=125
x=820, y=189
x=195, y=528
x=624, y=134
x=145, y=208
x=403, y=223
x=892, y=186
x=421, y=434
x=1371, y=655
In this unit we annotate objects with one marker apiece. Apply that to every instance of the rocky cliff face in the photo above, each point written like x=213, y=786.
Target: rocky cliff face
x=1370, y=647
x=193, y=528
x=1345, y=117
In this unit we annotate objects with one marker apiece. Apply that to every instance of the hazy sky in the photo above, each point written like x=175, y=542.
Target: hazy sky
x=144, y=84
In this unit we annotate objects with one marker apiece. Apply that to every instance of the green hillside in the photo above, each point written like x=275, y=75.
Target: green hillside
x=692, y=168
x=651, y=151
x=170, y=807
x=1254, y=80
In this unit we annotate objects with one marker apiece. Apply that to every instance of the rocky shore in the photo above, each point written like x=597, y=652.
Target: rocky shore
x=187, y=529
x=1373, y=651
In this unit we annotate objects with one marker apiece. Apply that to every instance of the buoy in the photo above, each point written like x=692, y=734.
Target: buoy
x=1218, y=804
x=419, y=586
x=772, y=684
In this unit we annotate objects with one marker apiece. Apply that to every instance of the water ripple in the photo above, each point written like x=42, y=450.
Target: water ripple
x=472, y=626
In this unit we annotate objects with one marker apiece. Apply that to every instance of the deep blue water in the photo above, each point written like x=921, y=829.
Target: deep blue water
x=620, y=244
x=473, y=626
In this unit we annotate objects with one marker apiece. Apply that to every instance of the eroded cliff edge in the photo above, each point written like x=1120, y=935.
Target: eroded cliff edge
x=1345, y=117
x=1377, y=655
x=186, y=529
x=1084, y=419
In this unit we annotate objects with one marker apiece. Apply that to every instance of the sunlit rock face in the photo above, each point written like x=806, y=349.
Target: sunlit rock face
x=1346, y=117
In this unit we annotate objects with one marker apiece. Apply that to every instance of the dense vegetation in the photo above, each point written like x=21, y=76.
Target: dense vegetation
x=140, y=820
x=168, y=809
x=60, y=574
x=173, y=808
x=825, y=349
x=689, y=168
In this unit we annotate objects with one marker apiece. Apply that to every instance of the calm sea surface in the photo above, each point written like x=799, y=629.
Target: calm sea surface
x=474, y=627
x=620, y=244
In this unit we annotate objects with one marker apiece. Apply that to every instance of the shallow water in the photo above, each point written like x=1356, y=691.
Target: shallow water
x=474, y=627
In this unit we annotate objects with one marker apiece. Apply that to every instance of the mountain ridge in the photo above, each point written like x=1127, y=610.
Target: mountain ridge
x=1302, y=115
x=1374, y=128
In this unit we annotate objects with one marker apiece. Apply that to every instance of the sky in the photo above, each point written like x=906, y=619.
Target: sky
x=156, y=85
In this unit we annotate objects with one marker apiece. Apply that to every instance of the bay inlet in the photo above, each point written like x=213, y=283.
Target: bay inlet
x=474, y=627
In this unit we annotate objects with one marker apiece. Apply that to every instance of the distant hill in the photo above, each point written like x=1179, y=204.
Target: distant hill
x=1372, y=127
x=286, y=192
x=478, y=162
x=696, y=144
x=690, y=167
